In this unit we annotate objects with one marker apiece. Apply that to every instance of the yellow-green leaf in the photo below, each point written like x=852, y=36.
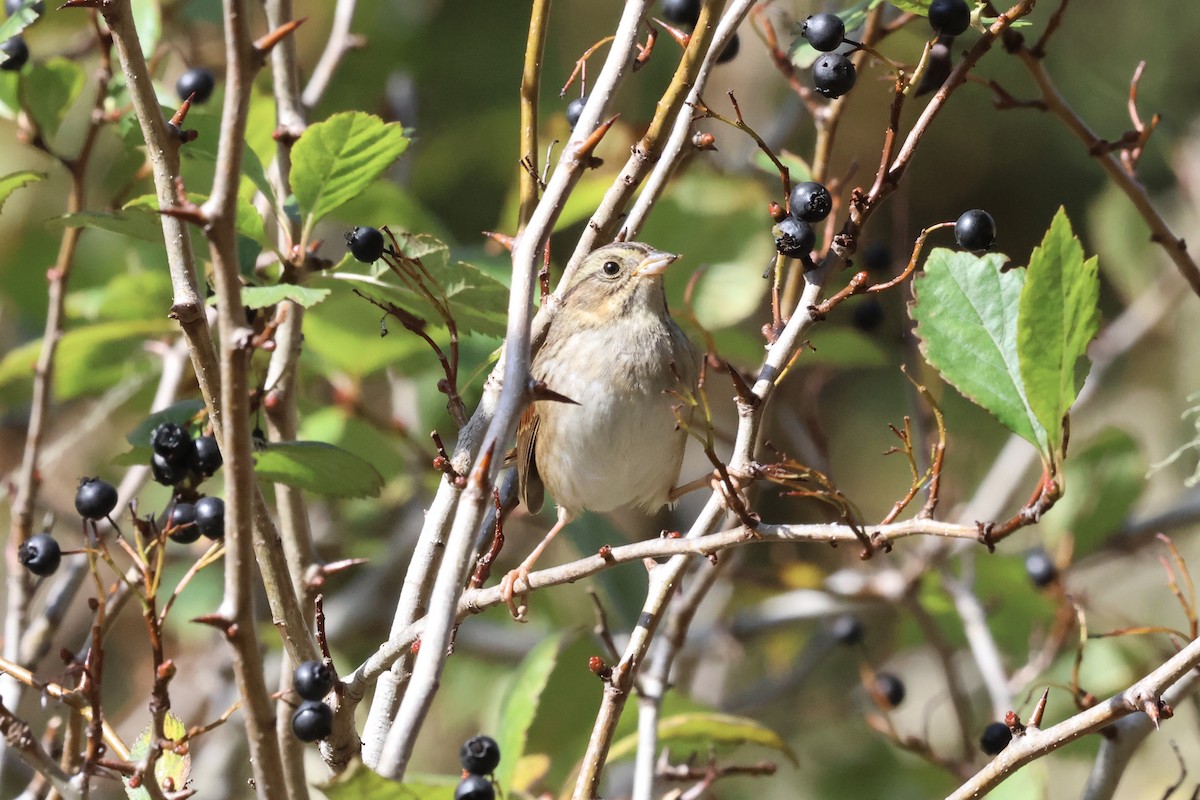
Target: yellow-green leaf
x=702, y=729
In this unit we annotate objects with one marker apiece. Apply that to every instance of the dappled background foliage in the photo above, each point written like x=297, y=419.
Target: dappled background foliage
x=449, y=73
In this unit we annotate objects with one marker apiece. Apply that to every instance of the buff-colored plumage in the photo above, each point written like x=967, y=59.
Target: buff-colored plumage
x=614, y=350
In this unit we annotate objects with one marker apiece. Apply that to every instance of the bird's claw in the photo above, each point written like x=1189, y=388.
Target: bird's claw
x=508, y=593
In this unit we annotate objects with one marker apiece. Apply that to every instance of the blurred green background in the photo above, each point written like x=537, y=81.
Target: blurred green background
x=450, y=72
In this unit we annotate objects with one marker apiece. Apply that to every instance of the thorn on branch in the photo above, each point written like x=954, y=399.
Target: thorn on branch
x=583, y=154
x=266, y=43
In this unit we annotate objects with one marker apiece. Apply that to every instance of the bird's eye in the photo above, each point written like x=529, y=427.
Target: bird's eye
x=611, y=268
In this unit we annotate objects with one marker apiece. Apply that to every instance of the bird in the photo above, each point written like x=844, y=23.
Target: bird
x=617, y=366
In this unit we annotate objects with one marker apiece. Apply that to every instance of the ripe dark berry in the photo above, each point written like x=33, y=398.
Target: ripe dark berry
x=167, y=472
x=950, y=17
x=171, y=442
x=995, y=738
x=1040, y=568
x=867, y=314
x=181, y=524
x=575, y=110
x=11, y=6
x=474, y=787
x=833, y=75
x=941, y=62
x=846, y=629
x=682, y=12
x=479, y=755
x=975, y=230
x=810, y=201
x=16, y=53
x=312, y=720
x=824, y=31
x=40, y=554
x=366, y=244
x=198, y=81
x=877, y=258
x=95, y=499
x=731, y=50
x=312, y=680
x=891, y=687
x=206, y=459
x=794, y=238
x=210, y=517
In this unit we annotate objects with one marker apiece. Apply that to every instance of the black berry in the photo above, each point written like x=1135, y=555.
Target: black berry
x=682, y=12
x=181, y=524
x=366, y=244
x=794, y=238
x=312, y=680
x=167, y=472
x=810, y=201
x=941, y=62
x=890, y=687
x=474, y=787
x=312, y=720
x=950, y=17
x=824, y=31
x=206, y=459
x=11, y=6
x=198, y=81
x=975, y=230
x=877, y=258
x=1040, y=568
x=479, y=755
x=995, y=738
x=846, y=629
x=867, y=314
x=731, y=50
x=40, y=554
x=95, y=499
x=16, y=53
x=575, y=110
x=171, y=442
x=210, y=517
x=833, y=75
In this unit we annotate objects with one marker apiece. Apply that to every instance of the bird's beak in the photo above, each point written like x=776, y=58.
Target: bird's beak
x=655, y=263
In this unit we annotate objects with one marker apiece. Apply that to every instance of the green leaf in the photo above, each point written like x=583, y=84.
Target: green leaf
x=344, y=333
x=1058, y=317
x=365, y=784
x=49, y=90
x=966, y=312
x=181, y=413
x=136, y=223
x=21, y=19
x=701, y=728
x=263, y=296
x=90, y=358
x=336, y=159
x=319, y=468
x=170, y=765
x=521, y=703
x=478, y=302
x=18, y=180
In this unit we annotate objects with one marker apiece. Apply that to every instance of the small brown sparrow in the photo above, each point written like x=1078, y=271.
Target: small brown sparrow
x=614, y=350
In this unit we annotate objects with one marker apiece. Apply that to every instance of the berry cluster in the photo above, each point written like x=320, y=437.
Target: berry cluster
x=833, y=73
x=808, y=202
x=312, y=719
x=179, y=458
x=479, y=756
x=687, y=12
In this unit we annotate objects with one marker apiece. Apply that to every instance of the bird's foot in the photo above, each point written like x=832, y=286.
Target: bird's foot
x=508, y=593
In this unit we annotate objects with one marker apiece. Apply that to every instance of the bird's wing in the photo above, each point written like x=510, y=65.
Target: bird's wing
x=532, y=489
